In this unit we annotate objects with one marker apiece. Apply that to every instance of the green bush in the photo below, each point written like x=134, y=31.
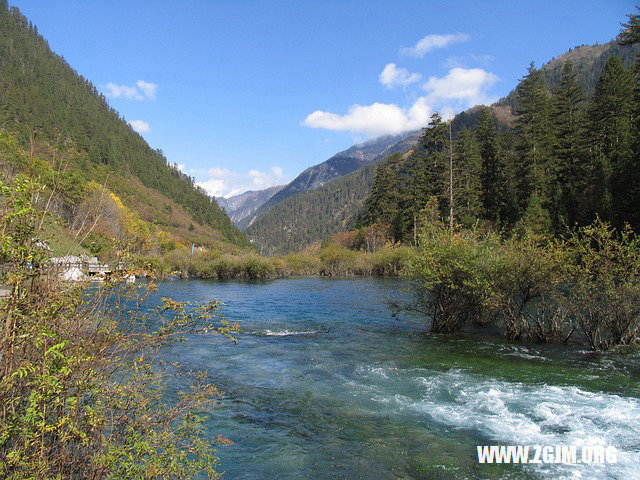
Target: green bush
x=336, y=260
x=391, y=261
x=604, y=297
x=454, y=277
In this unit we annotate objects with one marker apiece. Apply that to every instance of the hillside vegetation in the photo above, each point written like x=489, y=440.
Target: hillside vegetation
x=43, y=99
x=570, y=159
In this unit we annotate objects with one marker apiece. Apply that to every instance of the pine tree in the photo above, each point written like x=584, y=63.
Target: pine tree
x=467, y=178
x=630, y=35
x=490, y=172
x=431, y=172
x=496, y=178
x=532, y=128
x=568, y=150
x=428, y=171
x=610, y=113
x=384, y=204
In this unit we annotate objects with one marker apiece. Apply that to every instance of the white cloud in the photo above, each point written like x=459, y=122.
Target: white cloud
x=114, y=90
x=148, y=89
x=222, y=182
x=215, y=187
x=373, y=120
x=140, y=126
x=468, y=86
x=218, y=172
x=431, y=42
x=140, y=91
x=392, y=76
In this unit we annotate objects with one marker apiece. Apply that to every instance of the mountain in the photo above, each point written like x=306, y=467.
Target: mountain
x=43, y=98
x=240, y=206
x=588, y=63
x=310, y=216
x=313, y=215
x=342, y=163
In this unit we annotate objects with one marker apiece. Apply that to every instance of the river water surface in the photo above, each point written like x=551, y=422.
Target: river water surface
x=325, y=384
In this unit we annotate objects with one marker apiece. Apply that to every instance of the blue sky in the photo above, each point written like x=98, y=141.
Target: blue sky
x=246, y=94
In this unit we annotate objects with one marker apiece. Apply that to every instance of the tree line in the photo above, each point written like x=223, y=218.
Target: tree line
x=567, y=159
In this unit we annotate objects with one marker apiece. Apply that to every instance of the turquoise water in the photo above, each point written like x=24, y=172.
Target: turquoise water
x=325, y=384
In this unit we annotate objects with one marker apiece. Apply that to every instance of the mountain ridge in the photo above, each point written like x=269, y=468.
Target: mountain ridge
x=340, y=164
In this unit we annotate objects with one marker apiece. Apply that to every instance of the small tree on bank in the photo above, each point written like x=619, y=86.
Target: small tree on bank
x=82, y=393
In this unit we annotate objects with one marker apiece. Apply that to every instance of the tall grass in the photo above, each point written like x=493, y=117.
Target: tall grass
x=332, y=260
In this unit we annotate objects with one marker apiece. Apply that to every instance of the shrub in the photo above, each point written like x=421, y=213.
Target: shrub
x=482, y=279
x=301, y=264
x=391, y=261
x=604, y=297
x=336, y=260
x=525, y=288
x=452, y=278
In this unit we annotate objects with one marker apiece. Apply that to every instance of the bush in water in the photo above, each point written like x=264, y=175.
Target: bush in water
x=604, y=297
x=531, y=287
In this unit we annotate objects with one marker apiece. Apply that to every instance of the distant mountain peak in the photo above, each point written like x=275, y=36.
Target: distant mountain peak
x=240, y=206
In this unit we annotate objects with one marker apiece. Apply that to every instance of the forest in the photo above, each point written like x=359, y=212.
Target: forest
x=316, y=215
x=43, y=99
x=568, y=160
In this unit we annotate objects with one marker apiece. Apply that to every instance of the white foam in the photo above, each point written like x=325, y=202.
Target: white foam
x=512, y=413
x=286, y=333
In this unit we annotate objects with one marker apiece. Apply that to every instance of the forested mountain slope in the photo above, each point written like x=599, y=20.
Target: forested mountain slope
x=311, y=216
x=42, y=97
x=571, y=158
x=588, y=63
x=342, y=163
x=278, y=230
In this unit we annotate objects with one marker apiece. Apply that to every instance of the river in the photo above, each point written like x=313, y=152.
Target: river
x=325, y=384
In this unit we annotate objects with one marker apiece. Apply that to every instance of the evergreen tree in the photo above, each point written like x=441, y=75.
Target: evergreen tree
x=384, y=204
x=631, y=36
x=429, y=173
x=490, y=176
x=532, y=128
x=568, y=152
x=610, y=115
x=467, y=178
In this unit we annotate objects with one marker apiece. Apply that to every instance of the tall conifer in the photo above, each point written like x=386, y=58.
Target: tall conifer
x=568, y=150
x=610, y=129
x=532, y=128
